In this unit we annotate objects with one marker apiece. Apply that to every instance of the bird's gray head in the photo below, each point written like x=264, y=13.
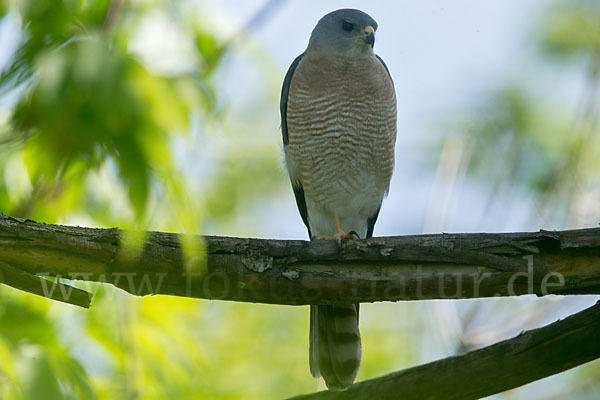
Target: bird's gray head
x=347, y=32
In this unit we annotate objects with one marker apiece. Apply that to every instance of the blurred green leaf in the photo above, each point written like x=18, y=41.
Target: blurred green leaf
x=209, y=49
x=50, y=24
x=40, y=381
x=572, y=29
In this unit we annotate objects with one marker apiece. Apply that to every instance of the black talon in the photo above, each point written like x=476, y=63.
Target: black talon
x=355, y=234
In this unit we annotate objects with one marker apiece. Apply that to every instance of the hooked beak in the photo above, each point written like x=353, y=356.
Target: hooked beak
x=370, y=35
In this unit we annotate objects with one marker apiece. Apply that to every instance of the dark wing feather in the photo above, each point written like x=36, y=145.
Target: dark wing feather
x=386, y=68
x=285, y=91
x=301, y=203
x=371, y=222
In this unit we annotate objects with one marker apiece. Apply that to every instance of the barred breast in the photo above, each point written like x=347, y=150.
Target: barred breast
x=341, y=120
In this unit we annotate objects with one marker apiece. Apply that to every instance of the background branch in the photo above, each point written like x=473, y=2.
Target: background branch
x=54, y=290
x=530, y=356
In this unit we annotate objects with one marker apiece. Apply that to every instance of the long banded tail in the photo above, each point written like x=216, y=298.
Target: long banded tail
x=335, y=347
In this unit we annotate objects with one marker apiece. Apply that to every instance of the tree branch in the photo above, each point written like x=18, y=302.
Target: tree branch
x=301, y=272
x=528, y=357
x=26, y=282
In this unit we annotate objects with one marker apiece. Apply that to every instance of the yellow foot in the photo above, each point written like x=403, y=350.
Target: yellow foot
x=339, y=233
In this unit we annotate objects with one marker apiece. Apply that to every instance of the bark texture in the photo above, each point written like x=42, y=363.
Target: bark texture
x=295, y=272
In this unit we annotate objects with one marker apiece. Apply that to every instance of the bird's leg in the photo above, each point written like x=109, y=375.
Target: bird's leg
x=339, y=233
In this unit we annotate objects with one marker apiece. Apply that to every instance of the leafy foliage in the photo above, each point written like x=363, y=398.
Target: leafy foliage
x=91, y=131
x=85, y=100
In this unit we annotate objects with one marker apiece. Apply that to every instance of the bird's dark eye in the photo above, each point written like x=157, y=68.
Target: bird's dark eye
x=347, y=26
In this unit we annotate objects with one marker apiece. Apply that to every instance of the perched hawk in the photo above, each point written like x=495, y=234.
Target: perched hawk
x=338, y=120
